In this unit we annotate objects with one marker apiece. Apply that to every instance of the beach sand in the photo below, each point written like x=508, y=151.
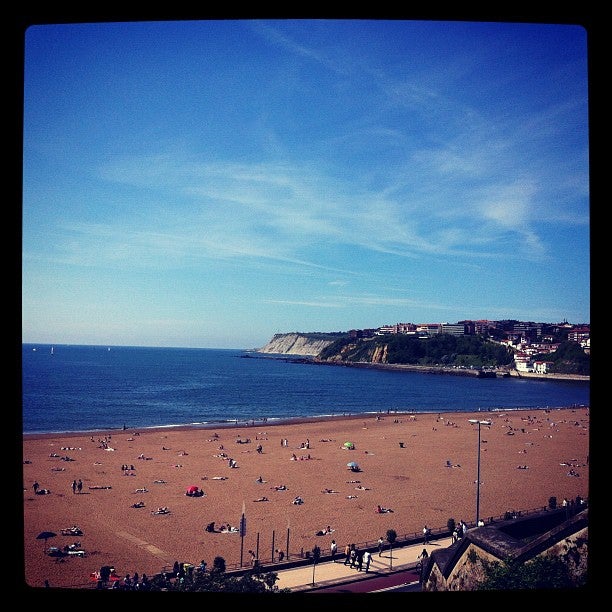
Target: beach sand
x=411, y=478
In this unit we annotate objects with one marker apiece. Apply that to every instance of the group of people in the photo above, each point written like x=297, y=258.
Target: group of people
x=460, y=531
x=325, y=531
x=210, y=528
x=38, y=490
x=77, y=486
x=355, y=558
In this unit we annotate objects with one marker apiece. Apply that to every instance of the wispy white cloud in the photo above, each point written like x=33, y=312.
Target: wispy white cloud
x=276, y=210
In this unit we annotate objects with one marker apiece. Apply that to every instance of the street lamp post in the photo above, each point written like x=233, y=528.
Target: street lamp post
x=479, y=423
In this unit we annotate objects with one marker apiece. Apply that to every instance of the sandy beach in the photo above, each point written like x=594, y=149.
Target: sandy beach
x=423, y=467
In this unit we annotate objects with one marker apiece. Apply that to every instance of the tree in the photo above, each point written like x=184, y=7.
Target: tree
x=544, y=572
x=316, y=555
x=391, y=537
x=218, y=565
x=218, y=581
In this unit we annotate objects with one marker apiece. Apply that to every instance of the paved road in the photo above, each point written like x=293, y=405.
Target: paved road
x=379, y=584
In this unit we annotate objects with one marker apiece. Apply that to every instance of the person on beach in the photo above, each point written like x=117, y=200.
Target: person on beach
x=74, y=486
x=80, y=486
x=35, y=487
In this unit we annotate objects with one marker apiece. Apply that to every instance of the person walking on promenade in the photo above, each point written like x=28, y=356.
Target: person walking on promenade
x=359, y=561
x=334, y=549
x=380, y=546
x=347, y=554
x=426, y=534
x=367, y=558
x=353, y=556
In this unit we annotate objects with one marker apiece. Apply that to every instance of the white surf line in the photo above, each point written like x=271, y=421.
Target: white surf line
x=154, y=550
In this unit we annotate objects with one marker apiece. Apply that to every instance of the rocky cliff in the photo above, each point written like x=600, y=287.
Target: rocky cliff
x=296, y=344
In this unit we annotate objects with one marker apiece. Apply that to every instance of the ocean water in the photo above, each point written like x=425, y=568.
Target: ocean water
x=69, y=388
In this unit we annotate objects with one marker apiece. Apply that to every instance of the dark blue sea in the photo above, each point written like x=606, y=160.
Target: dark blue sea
x=69, y=388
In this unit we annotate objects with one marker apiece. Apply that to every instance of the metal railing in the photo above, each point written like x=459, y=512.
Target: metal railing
x=301, y=557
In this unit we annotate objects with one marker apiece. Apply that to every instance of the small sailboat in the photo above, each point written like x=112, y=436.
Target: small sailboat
x=52, y=350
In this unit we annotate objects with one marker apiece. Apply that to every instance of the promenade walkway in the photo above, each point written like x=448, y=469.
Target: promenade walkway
x=331, y=573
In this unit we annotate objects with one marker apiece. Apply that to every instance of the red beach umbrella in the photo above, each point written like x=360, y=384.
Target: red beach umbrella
x=192, y=489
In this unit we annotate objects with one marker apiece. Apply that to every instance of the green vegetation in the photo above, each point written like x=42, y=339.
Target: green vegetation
x=255, y=580
x=319, y=335
x=439, y=350
x=569, y=358
x=547, y=572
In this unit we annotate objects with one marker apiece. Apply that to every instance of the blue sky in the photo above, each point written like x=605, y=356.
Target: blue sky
x=211, y=183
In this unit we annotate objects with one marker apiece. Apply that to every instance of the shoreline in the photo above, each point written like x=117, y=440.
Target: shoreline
x=427, y=369
x=501, y=373
x=300, y=420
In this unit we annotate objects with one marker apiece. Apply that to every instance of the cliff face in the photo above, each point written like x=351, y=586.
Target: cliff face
x=295, y=344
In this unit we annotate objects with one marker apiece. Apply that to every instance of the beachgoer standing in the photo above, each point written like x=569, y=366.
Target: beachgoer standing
x=80, y=485
x=334, y=550
x=74, y=486
x=35, y=487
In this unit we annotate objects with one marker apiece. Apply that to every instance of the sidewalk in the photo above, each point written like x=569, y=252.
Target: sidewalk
x=328, y=572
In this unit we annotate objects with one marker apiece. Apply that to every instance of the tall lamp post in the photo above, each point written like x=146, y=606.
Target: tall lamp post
x=479, y=423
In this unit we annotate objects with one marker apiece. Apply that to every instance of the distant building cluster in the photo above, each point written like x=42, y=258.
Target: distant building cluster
x=526, y=338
